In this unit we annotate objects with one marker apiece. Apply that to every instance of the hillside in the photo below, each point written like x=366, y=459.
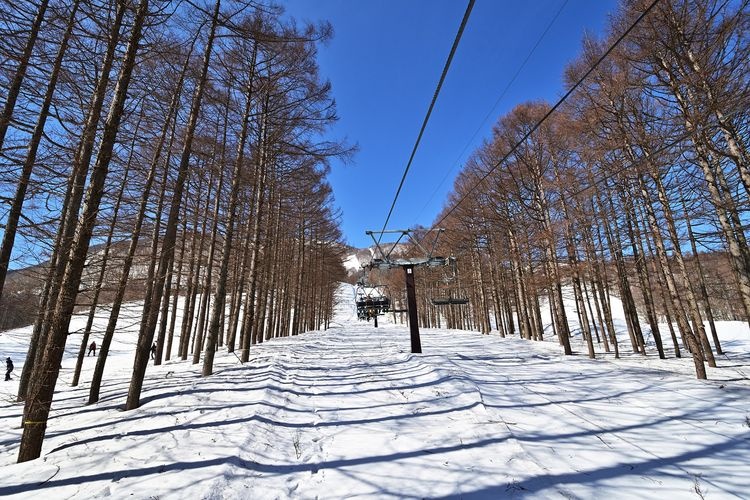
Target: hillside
x=351, y=413
x=357, y=257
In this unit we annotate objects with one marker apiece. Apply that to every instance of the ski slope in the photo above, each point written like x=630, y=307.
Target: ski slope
x=351, y=413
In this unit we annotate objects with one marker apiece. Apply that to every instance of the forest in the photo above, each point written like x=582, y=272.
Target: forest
x=156, y=151
x=636, y=186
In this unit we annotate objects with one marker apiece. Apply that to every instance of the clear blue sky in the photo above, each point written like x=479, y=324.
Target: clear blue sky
x=384, y=63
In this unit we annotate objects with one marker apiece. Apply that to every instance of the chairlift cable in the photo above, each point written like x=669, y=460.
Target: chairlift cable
x=494, y=106
x=549, y=112
x=456, y=41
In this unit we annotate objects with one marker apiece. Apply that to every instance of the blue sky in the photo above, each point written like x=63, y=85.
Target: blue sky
x=384, y=63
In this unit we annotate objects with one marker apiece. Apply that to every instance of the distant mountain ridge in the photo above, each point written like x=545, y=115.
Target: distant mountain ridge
x=358, y=257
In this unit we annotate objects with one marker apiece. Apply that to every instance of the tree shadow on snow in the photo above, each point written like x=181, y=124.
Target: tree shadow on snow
x=731, y=449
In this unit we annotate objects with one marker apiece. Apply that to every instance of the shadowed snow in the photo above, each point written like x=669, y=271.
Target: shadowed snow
x=351, y=413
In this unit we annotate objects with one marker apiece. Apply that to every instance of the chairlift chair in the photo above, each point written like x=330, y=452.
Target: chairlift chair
x=371, y=300
x=446, y=301
x=450, y=275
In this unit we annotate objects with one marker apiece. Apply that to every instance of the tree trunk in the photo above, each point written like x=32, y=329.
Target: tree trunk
x=133, y=247
x=71, y=205
x=45, y=375
x=145, y=340
x=14, y=213
x=220, y=294
x=23, y=63
x=105, y=261
x=692, y=303
x=682, y=322
x=701, y=279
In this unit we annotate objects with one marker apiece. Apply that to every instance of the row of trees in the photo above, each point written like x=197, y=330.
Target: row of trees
x=638, y=187
x=169, y=151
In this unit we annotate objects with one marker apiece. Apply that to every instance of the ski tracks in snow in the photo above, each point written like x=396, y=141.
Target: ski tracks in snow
x=361, y=414
x=591, y=432
x=351, y=413
x=522, y=461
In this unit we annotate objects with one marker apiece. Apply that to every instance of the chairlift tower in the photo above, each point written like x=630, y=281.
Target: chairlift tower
x=426, y=259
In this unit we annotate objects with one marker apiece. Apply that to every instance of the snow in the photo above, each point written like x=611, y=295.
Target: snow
x=351, y=413
x=352, y=264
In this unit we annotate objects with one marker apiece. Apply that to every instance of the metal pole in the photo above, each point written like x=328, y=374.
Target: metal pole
x=376, y=320
x=411, y=300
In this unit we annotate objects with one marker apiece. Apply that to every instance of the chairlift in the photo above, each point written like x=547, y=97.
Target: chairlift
x=371, y=300
x=449, y=275
x=450, y=271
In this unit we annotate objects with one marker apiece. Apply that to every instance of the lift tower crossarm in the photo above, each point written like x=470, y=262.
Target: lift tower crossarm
x=386, y=256
x=408, y=265
x=387, y=262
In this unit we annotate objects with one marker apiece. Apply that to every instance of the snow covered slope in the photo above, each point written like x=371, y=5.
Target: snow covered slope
x=352, y=264
x=362, y=256
x=350, y=413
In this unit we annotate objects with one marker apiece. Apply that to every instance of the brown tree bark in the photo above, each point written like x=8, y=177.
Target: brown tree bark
x=145, y=340
x=221, y=283
x=127, y=264
x=45, y=375
x=18, y=77
x=14, y=213
x=71, y=205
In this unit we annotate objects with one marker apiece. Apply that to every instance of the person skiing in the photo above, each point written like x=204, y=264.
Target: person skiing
x=153, y=351
x=9, y=364
x=92, y=349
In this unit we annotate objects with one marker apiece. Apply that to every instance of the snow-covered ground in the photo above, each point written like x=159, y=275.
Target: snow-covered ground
x=351, y=413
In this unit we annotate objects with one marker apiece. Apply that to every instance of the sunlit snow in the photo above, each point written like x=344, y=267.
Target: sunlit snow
x=351, y=263
x=351, y=413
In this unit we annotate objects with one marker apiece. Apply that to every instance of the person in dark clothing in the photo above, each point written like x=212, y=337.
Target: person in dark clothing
x=92, y=349
x=9, y=364
x=153, y=351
